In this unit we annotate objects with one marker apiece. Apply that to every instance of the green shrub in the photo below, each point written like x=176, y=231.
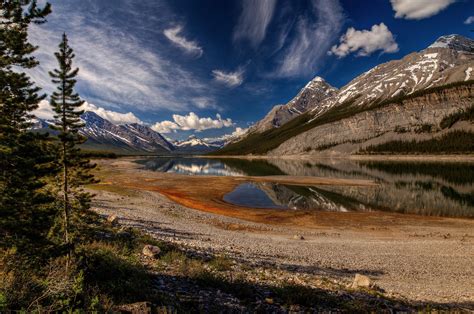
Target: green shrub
x=113, y=271
x=221, y=263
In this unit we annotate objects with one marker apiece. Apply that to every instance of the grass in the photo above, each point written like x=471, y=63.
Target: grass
x=104, y=270
x=261, y=143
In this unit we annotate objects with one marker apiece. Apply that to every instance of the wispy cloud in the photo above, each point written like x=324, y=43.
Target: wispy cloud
x=365, y=42
x=254, y=20
x=419, y=9
x=469, y=20
x=44, y=111
x=190, y=47
x=314, y=33
x=191, y=121
x=205, y=102
x=117, y=70
x=231, y=79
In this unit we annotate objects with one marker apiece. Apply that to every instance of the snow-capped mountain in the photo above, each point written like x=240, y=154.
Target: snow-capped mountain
x=449, y=59
x=313, y=93
x=195, y=144
x=102, y=134
x=128, y=136
x=380, y=101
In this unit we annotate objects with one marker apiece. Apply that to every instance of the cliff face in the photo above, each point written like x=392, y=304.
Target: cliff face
x=408, y=115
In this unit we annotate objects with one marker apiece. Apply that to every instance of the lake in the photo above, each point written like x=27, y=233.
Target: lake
x=422, y=188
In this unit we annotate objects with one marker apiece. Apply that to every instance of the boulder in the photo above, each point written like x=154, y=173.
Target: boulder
x=113, y=220
x=151, y=251
x=361, y=281
x=298, y=237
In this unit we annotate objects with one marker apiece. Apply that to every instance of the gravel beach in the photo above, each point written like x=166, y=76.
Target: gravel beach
x=427, y=262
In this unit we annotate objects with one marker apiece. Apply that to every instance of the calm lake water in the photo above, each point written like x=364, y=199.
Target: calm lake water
x=434, y=189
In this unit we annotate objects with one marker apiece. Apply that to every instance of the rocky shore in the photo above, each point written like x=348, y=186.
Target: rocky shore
x=426, y=263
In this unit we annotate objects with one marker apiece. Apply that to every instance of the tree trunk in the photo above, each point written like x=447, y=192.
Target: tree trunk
x=66, y=206
x=65, y=183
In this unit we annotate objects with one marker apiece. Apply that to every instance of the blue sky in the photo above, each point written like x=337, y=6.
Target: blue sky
x=208, y=67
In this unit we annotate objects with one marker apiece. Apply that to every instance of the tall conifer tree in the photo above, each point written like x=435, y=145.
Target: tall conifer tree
x=22, y=153
x=66, y=104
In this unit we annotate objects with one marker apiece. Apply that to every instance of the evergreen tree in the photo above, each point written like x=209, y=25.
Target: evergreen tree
x=66, y=104
x=23, y=155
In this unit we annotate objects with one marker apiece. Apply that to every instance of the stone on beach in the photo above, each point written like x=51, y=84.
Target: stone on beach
x=361, y=281
x=112, y=219
x=151, y=250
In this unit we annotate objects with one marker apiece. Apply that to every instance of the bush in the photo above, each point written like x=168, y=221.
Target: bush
x=424, y=128
x=114, y=271
x=400, y=129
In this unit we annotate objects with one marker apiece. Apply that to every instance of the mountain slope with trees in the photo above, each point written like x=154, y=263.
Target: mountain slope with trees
x=435, y=81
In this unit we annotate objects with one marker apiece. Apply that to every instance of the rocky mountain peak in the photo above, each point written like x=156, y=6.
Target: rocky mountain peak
x=455, y=42
x=309, y=97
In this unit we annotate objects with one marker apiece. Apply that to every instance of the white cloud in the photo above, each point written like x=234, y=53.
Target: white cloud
x=418, y=9
x=165, y=127
x=238, y=132
x=204, y=102
x=253, y=22
x=191, y=122
x=191, y=47
x=112, y=116
x=231, y=79
x=469, y=20
x=117, y=69
x=314, y=33
x=365, y=42
x=44, y=111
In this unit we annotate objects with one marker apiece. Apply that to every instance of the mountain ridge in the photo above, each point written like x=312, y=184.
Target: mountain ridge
x=125, y=138
x=449, y=60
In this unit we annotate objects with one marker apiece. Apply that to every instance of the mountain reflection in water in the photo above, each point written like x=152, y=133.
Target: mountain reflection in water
x=433, y=189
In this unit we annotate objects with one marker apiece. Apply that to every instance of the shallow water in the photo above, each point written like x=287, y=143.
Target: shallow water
x=433, y=189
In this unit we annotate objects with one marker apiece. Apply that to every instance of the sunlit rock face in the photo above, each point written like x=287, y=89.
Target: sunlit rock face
x=450, y=59
x=308, y=98
x=409, y=115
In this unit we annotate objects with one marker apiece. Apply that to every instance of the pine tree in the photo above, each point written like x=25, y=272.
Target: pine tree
x=23, y=155
x=66, y=104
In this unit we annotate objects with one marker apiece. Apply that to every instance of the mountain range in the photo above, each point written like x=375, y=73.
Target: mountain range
x=402, y=99
x=131, y=138
x=406, y=95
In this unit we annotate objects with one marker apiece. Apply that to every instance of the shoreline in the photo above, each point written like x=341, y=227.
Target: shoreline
x=416, y=263
x=425, y=259
x=423, y=158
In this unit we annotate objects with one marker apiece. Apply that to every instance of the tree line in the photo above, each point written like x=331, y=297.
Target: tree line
x=42, y=199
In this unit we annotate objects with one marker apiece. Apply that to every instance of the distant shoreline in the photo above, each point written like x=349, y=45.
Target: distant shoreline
x=424, y=158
